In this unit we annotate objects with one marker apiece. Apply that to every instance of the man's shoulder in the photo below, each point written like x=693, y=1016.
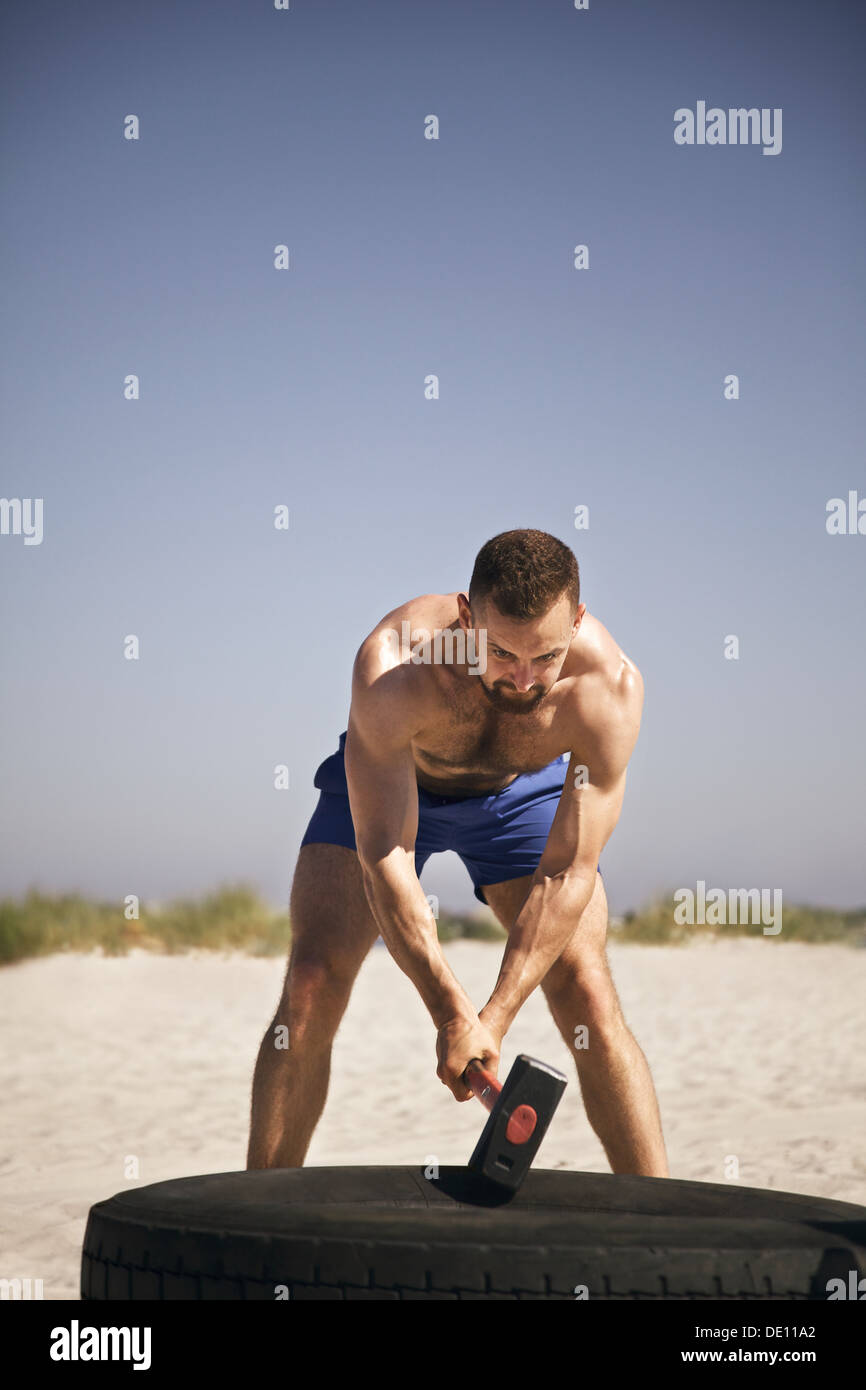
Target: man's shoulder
x=387, y=645
x=606, y=697
x=603, y=666
x=383, y=676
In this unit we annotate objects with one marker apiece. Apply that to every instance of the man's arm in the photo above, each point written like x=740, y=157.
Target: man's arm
x=383, y=796
x=564, y=880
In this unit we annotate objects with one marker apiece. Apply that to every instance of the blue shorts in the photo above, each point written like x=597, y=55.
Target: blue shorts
x=498, y=835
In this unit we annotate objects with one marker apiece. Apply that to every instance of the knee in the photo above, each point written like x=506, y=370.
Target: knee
x=589, y=1000
x=314, y=999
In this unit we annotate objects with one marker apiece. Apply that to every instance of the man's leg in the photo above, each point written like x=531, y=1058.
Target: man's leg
x=614, y=1077
x=332, y=931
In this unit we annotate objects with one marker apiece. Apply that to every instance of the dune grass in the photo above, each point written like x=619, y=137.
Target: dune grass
x=234, y=917
x=231, y=918
x=654, y=925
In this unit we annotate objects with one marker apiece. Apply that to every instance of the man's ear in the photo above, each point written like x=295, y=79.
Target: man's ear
x=464, y=609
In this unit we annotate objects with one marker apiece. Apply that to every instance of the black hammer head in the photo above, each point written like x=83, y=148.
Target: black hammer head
x=497, y=1156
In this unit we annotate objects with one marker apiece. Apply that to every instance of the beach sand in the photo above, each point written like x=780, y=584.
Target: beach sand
x=755, y=1047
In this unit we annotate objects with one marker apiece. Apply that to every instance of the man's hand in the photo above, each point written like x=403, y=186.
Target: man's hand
x=458, y=1041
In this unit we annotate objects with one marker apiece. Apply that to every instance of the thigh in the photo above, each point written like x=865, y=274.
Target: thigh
x=330, y=918
x=584, y=953
x=506, y=899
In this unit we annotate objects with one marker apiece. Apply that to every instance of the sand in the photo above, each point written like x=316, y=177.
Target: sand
x=755, y=1048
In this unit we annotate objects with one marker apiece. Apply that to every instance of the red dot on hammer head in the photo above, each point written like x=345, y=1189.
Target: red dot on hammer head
x=521, y=1124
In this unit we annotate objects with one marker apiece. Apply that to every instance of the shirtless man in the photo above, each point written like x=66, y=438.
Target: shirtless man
x=442, y=754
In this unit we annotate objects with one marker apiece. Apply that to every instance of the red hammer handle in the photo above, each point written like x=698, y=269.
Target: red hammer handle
x=482, y=1082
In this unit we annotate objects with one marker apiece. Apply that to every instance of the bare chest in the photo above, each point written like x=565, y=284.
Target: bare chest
x=472, y=747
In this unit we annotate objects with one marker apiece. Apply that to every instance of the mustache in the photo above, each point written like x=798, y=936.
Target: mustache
x=505, y=685
x=527, y=701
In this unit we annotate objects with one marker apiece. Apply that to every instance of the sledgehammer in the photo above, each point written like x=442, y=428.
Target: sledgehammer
x=521, y=1109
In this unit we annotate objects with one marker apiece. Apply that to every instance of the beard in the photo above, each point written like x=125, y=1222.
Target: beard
x=498, y=696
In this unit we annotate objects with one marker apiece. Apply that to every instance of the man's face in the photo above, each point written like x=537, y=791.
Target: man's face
x=524, y=659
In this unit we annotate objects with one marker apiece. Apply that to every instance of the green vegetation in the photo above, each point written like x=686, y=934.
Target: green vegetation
x=654, y=925
x=232, y=918
x=235, y=918
x=451, y=925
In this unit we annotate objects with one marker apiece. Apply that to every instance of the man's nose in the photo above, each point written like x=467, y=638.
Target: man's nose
x=524, y=680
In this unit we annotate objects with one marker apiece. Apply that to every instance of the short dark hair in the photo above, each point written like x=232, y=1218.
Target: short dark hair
x=525, y=573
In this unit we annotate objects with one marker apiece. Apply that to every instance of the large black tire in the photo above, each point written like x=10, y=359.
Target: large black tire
x=389, y=1233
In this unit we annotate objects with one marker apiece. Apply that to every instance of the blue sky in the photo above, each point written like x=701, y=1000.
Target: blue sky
x=558, y=387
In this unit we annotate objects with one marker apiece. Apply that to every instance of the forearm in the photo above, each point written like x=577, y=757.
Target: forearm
x=408, y=929
x=541, y=930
